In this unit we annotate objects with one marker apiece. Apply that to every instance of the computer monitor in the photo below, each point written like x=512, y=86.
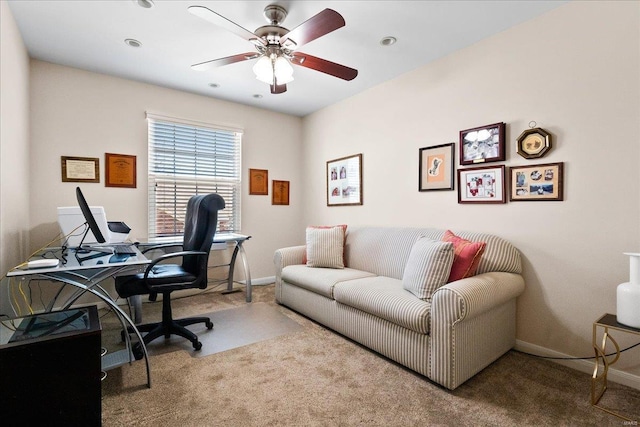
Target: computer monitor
x=90, y=220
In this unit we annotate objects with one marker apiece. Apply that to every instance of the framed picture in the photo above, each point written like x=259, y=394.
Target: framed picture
x=533, y=143
x=259, y=181
x=120, y=170
x=537, y=182
x=436, y=168
x=483, y=144
x=482, y=185
x=80, y=169
x=280, y=192
x=344, y=181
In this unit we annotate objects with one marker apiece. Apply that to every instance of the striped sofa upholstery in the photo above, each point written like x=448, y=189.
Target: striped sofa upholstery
x=467, y=324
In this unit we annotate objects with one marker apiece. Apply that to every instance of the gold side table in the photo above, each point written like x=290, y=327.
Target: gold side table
x=602, y=361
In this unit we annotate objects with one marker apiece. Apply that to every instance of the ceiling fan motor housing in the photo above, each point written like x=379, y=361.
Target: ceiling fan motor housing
x=275, y=14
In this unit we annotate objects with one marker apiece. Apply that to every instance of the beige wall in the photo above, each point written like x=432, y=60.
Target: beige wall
x=576, y=72
x=14, y=146
x=79, y=113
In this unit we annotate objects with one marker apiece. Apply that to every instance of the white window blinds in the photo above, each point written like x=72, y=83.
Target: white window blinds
x=186, y=159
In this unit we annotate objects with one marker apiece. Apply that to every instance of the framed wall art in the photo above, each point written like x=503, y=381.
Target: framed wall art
x=537, y=182
x=259, y=182
x=120, y=170
x=344, y=181
x=533, y=143
x=80, y=169
x=482, y=185
x=482, y=144
x=279, y=192
x=436, y=168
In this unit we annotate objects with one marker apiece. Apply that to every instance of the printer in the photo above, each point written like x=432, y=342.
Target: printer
x=71, y=217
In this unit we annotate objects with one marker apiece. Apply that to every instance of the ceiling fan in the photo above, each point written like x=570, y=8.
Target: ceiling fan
x=276, y=46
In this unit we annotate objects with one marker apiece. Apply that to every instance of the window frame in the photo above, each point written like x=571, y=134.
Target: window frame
x=186, y=158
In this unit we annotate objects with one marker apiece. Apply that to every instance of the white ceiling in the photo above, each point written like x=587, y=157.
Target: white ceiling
x=90, y=35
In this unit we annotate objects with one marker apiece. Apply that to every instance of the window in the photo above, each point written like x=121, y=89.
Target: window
x=185, y=159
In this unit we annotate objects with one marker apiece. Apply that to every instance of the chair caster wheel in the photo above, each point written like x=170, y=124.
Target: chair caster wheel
x=138, y=354
x=209, y=325
x=197, y=345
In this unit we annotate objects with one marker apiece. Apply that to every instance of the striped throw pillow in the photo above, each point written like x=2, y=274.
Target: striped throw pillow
x=428, y=267
x=325, y=247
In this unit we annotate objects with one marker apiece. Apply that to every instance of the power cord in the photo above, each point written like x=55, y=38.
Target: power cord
x=573, y=358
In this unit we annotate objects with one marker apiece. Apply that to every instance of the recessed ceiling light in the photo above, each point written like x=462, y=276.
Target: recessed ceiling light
x=257, y=96
x=214, y=85
x=133, y=42
x=388, y=41
x=147, y=4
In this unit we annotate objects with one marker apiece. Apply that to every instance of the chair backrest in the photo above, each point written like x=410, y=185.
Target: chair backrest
x=199, y=228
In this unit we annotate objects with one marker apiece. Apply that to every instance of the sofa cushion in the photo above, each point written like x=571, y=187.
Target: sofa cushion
x=466, y=256
x=320, y=280
x=325, y=247
x=386, y=298
x=428, y=267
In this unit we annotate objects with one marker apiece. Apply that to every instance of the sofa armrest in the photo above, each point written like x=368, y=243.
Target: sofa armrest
x=287, y=256
x=470, y=297
x=283, y=257
x=472, y=324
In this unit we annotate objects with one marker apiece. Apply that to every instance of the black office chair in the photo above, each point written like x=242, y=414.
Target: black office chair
x=200, y=227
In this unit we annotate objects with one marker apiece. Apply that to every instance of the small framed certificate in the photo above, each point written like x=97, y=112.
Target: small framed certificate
x=120, y=170
x=80, y=169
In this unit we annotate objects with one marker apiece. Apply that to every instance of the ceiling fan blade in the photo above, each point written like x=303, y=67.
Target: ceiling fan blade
x=278, y=88
x=219, y=20
x=324, y=66
x=317, y=26
x=208, y=65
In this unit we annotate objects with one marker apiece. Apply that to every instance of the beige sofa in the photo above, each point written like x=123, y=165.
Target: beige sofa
x=462, y=328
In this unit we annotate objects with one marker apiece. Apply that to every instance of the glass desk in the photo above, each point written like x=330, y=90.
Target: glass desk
x=603, y=361
x=85, y=272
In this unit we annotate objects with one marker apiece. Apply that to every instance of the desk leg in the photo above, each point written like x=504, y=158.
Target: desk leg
x=122, y=316
x=232, y=266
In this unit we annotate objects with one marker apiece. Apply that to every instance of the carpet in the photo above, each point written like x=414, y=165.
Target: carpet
x=315, y=377
x=233, y=328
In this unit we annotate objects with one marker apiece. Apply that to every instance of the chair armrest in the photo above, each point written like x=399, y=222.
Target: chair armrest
x=158, y=246
x=169, y=256
x=470, y=297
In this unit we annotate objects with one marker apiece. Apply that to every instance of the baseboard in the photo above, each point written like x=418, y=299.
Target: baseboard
x=585, y=366
x=262, y=281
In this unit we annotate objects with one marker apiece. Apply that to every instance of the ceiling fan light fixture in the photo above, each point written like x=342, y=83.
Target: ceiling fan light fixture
x=283, y=70
x=264, y=70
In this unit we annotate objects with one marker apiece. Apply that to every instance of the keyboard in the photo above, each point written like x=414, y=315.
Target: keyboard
x=123, y=250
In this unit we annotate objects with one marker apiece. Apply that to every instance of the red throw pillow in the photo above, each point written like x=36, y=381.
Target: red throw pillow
x=466, y=256
x=344, y=231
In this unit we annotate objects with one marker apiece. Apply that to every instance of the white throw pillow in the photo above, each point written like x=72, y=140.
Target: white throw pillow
x=428, y=267
x=325, y=247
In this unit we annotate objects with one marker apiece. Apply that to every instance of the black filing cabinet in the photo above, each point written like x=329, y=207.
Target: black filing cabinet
x=50, y=369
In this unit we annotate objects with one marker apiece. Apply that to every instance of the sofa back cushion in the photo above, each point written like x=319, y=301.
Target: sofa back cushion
x=385, y=250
